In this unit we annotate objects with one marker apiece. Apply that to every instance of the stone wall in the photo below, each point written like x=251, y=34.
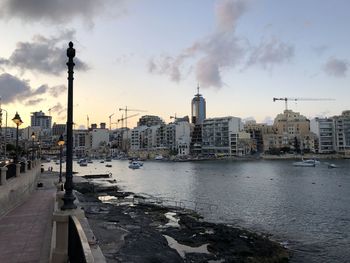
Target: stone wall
x=16, y=190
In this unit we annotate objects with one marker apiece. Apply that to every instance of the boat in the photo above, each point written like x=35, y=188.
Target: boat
x=108, y=165
x=102, y=161
x=90, y=161
x=159, y=157
x=332, y=165
x=108, y=159
x=134, y=165
x=305, y=163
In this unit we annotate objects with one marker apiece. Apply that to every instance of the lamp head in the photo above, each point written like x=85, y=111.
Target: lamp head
x=61, y=141
x=17, y=119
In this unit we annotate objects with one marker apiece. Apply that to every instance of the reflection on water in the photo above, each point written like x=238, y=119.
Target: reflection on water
x=305, y=207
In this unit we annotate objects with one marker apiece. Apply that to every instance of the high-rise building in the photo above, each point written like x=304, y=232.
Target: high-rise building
x=198, y=108
x=39, y=119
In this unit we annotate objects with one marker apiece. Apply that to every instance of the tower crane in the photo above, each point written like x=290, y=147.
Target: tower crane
x=110, y=122
x=300, y=99
x=126, y=113
x=122, y=119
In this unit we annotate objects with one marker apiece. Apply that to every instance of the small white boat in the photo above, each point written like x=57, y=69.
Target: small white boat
x=134, y=165
x=102, y=161
x=305, y=163
x=159, y=157
x=332, y=165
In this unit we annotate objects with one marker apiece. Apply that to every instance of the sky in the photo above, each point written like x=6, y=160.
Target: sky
x=150, y=55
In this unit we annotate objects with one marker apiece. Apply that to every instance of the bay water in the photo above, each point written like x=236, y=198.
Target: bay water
x=305, y=208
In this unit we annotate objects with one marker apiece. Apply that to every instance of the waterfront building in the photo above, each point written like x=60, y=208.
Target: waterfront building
x=81, y=143
x=291, y=123
x=178, y=136
x=291, y=132
x=138, y=138
x=324, y=130
x=257, y=131
x=39, y=119
x=342, y=132
x=220, y=136
x=198, y=109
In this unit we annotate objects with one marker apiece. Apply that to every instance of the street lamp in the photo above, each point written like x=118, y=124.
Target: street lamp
x=33, y=137
x=69, y=197
x=18, y=121
x=60, y=144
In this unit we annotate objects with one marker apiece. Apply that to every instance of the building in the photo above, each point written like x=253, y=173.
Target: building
x=220, y=136
x=291, y=123
x=257, y=131
x=198, y=109
x=323, y=128
x=150, y=120
x=178, y=137
x=58, y=129
x=39, y=119
x=81, y=143
x=342, y=132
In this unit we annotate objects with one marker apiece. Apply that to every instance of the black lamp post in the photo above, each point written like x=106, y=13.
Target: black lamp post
x=68, y=197
x=18, y=121
x=33, y=138
x=60, y=143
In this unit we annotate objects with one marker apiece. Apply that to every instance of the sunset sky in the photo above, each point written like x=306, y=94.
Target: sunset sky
x=150, y=55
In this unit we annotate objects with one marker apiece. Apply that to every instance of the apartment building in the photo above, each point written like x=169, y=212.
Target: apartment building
x=323, y=128
x=220, y=136
x=342, y=132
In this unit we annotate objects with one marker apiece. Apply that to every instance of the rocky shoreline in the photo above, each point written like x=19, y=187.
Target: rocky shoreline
x=129, y=229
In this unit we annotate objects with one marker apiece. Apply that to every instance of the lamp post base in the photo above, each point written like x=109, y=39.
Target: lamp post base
x=68, y=202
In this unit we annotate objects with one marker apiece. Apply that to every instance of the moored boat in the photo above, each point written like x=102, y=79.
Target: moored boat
x=305, y=163
x=134, y=165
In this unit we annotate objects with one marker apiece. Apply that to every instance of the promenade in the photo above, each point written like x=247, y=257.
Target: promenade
x=25, y=232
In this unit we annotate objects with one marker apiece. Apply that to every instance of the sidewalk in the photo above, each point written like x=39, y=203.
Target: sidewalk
x=25, y=232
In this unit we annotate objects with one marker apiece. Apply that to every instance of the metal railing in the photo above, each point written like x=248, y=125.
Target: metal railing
x=78, y=247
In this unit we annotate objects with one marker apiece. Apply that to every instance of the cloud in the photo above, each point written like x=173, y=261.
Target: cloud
x=336, y=67
x=58, y=12
x=58, y=109
x=221, y=51
x=44, y=55
x=320, y=50
x=33, y=102
x=13, y=89
x=56, y=91
x=270, y=52
x=213, y=54
x=228, y=12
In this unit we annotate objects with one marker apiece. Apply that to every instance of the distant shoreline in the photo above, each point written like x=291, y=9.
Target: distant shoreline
x=268, y=157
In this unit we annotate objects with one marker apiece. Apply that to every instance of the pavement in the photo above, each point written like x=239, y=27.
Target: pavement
x=25, y=232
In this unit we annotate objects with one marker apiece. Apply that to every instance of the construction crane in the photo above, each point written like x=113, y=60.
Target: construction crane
x=173, y=117
x=126, y=114
x=300, y=99
x=122, y=119
x=110, y=120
